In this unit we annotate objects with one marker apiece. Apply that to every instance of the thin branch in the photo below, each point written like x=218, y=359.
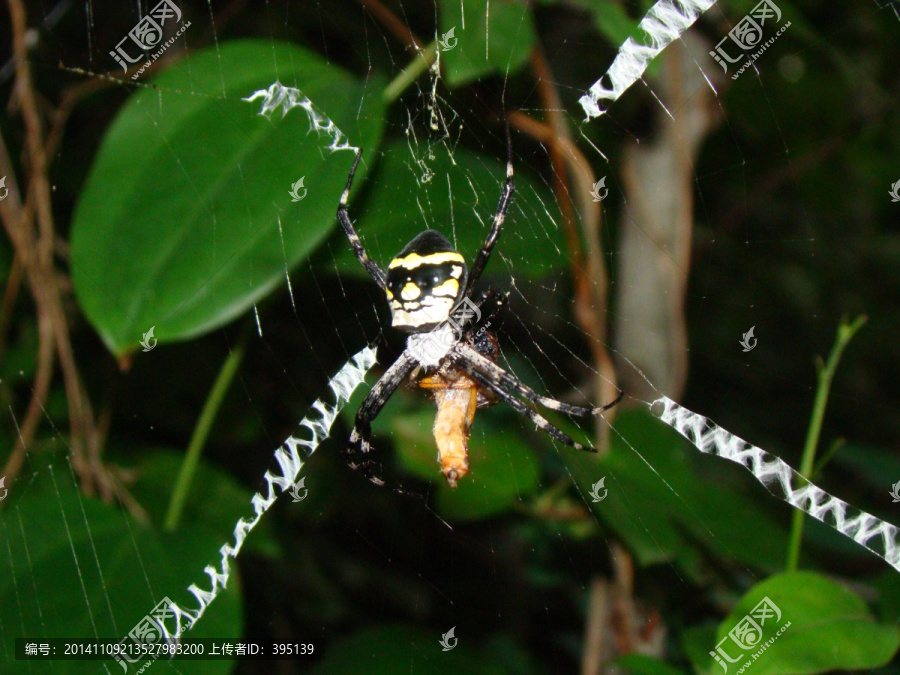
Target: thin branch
x=204, y=425
x=10, y=295
x=36, y=251
x=590, y=295
x=593, y=654
x=17, y=221
x=393, y=24
x=589, y=275
x=825, y=375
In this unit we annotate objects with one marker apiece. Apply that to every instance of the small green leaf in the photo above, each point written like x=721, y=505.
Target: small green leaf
x=638, y=664
x=493, y=37
x=611, y=20
x=696, y=642
x=823, y=626
x=178, y=223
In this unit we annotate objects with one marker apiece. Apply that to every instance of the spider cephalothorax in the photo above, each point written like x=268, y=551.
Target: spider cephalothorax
x=429, y=290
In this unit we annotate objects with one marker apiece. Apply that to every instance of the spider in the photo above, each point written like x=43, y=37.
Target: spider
x=429, y=290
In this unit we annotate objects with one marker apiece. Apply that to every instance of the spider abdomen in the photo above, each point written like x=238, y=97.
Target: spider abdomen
x=424, y=282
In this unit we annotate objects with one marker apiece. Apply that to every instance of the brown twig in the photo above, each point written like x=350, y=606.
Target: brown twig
x=35, y=250
x=589, y=272
x=623, y=613
x=10, y=295
x=17, y=222
x=613, y=625
x=393, y=24
x=590, y=287
x=556, y=123
x=69, y=99
x=594, y=654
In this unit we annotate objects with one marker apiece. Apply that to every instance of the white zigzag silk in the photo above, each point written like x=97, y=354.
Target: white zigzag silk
x=665, y=22
x=290, y=458
x=287, y=98
x=882, y=538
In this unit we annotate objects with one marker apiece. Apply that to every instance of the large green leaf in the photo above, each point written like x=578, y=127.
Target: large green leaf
x=493, y=37
x=74, y=567
x=178, y=224
x=659, y=492
x=455, y=192
x=823, y=627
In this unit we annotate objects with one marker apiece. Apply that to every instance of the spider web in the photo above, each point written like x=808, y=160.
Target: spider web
x=693, y=168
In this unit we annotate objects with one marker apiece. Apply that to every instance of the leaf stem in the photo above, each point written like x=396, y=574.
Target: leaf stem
x=420, y=63
x=201, y=433
x=825, y=373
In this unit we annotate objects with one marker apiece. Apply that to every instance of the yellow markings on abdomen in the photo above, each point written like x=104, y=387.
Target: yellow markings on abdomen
x=414, y=260
x=448, y=288
x=410, y=291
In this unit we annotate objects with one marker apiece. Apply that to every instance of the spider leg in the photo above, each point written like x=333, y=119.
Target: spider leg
x=491, y=302
x=371, y=266
x=490, y=369
x=484, y=255
x=356, y=453
x=517, y=405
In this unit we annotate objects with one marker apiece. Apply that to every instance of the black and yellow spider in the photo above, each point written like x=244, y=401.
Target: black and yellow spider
x=429, y=290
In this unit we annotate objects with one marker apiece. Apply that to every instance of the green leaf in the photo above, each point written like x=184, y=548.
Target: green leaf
x=178, y=223
x=456, y=193
x=611, y=20
x=823, y=626
x=638, y=664
x=888, y=596
x=81, y=569
x=493, y=37
x=659, y=490
x=696, y=642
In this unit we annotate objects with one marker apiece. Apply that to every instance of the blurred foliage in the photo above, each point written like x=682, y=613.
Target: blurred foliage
x=173, y=196
x=491, y=40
